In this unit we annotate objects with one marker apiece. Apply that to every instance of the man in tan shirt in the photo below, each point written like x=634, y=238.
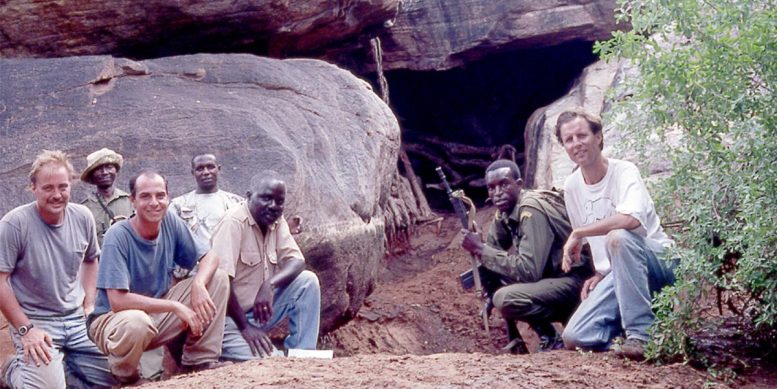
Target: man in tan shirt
x=266, y=269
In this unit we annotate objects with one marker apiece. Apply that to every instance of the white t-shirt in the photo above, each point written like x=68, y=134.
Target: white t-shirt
x=202, y=211
x=620, y=191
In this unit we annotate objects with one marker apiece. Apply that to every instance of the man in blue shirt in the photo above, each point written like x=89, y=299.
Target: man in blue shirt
x=136, y=308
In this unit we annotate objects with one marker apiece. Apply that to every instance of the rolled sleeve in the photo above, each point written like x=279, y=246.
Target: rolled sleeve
x=225, y=243
x=286, y=247
x=633, y=198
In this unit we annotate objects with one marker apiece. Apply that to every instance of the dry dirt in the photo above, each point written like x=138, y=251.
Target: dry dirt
x=419, y=330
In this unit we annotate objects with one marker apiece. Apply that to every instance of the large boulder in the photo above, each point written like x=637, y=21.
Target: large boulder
x=321, y=128
x=156, y=28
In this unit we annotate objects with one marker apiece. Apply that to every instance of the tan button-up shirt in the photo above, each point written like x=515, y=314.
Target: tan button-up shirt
x=247, y=255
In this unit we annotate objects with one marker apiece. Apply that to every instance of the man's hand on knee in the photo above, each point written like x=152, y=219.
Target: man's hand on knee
x=263, y=303
x=202, y=304
x=37, y=346
x=258, y=341
x=190, y=318
x=589, y=285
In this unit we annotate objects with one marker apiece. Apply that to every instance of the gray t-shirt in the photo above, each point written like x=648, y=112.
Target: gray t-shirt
x=44, y=260
x=132, y=263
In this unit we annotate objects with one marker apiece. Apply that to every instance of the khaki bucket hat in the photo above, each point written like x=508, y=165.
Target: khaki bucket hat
x=99, y=158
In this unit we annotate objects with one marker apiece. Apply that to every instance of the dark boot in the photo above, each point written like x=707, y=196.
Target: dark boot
x=515, y=344
x=549, y=337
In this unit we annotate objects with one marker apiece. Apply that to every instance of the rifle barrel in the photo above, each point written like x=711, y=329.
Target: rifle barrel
x=458, y=206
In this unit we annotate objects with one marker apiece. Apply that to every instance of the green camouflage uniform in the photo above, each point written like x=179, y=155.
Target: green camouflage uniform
x=119, y=204
x=522, y=257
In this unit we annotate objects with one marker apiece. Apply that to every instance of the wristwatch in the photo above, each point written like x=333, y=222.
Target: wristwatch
x=24, y=329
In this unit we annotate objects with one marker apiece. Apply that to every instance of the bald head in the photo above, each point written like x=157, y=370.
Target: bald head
x=266, y=198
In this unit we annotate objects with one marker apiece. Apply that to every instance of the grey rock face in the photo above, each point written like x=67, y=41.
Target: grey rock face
x=157, y=28
x=415, y=34
x=436, y=35
x=332, y=139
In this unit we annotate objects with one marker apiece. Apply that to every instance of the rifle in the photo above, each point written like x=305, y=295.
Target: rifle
x=458, y=199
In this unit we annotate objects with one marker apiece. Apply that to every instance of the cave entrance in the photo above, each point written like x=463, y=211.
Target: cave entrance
x=460, y=118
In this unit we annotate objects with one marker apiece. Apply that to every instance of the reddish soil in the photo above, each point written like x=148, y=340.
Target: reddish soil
x=419, y=330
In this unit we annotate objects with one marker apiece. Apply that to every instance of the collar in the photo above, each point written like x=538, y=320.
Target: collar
x=514, y=215
x=117, y=193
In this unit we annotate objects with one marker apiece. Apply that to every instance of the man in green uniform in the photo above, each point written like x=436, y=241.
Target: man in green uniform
x=521, y=259
x=107, y=203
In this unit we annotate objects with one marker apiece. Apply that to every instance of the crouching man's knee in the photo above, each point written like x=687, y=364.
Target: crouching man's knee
x=123, y=336
x=615, y=239
x=511, y=303
x=218, y=287
x=570, y=338
x=130, y=326
x=309, y=279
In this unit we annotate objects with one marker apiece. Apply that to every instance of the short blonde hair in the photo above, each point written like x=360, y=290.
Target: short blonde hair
x=51, y=157
x=594, y=122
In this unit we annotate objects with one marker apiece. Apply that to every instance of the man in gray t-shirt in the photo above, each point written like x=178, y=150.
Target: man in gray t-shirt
x=48, y=266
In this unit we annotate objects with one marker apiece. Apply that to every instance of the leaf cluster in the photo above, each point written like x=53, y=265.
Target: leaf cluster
x=707, y=70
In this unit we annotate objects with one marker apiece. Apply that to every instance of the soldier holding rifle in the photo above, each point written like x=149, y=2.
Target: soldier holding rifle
x=522, y=256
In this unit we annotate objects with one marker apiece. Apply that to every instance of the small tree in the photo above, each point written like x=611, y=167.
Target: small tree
x=707, y=69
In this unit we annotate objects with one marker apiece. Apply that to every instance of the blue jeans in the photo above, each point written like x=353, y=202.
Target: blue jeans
x=621, y=302
x=300, y=300
x=75, y=362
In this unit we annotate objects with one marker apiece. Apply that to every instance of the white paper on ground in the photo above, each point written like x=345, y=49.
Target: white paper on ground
x=299, y=353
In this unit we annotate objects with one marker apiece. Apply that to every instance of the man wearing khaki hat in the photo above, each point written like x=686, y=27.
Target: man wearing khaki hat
x=108, y=203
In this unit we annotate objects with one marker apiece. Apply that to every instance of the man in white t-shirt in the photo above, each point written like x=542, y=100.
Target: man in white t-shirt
x=203, y=207
x=610, y=208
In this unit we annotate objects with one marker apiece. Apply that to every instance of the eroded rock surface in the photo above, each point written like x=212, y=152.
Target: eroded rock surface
x=324, y=130
x=436, y=35
x=157, y=28
x=415, y=34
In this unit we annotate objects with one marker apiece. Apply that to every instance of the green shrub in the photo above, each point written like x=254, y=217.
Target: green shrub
x=707, y=70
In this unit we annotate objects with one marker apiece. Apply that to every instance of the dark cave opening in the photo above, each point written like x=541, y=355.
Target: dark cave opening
x=461, y=117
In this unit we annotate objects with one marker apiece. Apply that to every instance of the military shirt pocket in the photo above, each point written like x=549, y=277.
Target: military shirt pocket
x=250, y=257
x=272, y=257
x=187, y=214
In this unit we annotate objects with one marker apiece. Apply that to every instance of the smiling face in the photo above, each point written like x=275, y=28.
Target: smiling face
x=51, y=188
x=150, y=198
x=267, y=202
x=206, y=170
x=582, y=146
x=104, y=176
x=503, y=189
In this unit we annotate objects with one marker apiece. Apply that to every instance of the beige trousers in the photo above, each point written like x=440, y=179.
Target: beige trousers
x=124, y=335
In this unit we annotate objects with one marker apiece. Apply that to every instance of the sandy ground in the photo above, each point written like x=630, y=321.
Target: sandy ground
x=420, y=330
